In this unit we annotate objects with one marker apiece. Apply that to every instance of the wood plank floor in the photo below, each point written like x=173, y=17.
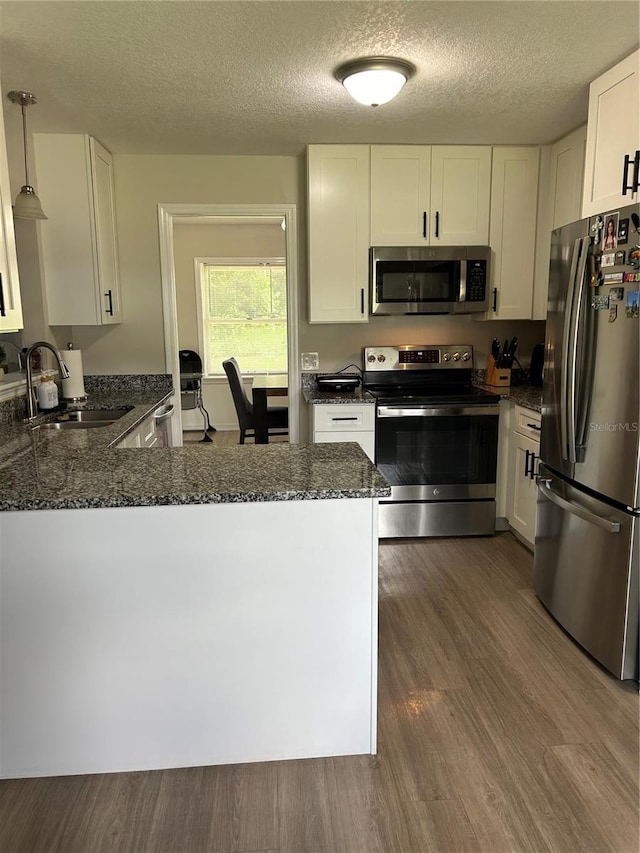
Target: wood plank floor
x=496, y=733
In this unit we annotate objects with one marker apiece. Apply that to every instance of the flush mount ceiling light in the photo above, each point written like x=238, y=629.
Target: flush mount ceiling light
x=374, y=80
x=27, y=204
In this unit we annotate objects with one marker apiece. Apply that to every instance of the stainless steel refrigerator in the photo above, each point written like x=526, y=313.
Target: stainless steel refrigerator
x=587, y=546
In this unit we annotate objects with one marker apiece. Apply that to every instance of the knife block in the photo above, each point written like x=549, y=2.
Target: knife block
x=499, y=377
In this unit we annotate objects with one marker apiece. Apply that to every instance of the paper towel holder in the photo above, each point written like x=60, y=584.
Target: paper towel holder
x=81, y=399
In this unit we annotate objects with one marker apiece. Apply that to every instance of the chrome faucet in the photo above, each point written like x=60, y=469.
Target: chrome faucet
x=64, y=373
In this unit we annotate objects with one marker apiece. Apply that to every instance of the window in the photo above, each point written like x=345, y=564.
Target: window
x=244, y=315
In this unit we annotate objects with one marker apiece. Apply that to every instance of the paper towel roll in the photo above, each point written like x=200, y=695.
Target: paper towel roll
x=73, y=386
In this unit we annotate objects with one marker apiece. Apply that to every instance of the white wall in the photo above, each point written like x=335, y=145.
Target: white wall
x=223, y=241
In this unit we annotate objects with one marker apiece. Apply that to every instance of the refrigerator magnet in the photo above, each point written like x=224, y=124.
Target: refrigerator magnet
x=634, y=258
x=613, y=313
x=613, y=277
x=623, y=231
x=631, y=310
x=619, y=257
x=599, y=303
x=631, y=276
x=616, y=294
x=608, y=259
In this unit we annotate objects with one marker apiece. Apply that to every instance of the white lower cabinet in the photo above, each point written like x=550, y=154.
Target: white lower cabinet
x=340, y=422
x=524, y=457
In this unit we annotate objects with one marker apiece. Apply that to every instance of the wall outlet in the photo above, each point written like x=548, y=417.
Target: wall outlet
x=310, y=361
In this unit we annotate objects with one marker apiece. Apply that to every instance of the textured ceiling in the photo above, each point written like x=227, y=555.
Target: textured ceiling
x=245, y=77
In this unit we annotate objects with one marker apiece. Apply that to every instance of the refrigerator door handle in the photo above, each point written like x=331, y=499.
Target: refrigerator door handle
x=575, y=309
x=544, y=485
x=564, y=377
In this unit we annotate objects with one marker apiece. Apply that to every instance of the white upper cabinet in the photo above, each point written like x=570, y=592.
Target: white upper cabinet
x=78, y=240
x=613, y=134
x=460, y=194
x=10, y=304
x=514, y=201
x=430, y=195
x=567, y=178
x=338, y=181
x=400, y=194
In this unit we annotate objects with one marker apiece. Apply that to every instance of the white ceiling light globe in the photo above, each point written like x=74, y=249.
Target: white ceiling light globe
x=376, y=80
x=373, y=88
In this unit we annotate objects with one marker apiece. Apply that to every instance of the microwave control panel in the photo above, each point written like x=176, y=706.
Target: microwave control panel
x=476, y=281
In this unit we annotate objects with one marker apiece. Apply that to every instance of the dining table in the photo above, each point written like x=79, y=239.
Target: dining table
x=266, y=385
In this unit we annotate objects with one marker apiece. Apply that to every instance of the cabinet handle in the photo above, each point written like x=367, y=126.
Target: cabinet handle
x=636, y=172
x=354, y=418
x=3, y=312
x=424, y=224
x=526, y=462
x=534, y=426
x=109, y=310
x=494, y=299
x=437, y=223
x=625, y=175
x=362, y=300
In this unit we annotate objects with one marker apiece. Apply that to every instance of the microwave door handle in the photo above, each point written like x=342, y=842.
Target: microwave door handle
x=564, y=355
x=462, y=293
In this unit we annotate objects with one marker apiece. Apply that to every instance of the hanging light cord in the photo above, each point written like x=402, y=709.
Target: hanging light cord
x=24, y=137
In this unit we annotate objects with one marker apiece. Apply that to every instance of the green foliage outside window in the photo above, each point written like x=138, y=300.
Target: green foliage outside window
x=245, y=316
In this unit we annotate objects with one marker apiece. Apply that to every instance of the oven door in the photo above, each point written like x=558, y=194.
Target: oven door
x=438, y=452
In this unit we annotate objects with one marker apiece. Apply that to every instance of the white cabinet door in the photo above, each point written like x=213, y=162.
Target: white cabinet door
x=524, y=455
x=514, y=204
x=567, y=178
x=400, y=194
x=105, y=227
x=79, y=250
x=612, y=134
x=10, y=303
x=338, y=180
x=460, y=194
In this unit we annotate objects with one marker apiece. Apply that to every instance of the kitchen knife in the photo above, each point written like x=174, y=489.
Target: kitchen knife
x=495, y=349
x=513, y=346
x=503, y=358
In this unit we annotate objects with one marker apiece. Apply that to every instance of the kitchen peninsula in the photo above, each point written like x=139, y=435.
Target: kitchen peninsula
x=183, y=606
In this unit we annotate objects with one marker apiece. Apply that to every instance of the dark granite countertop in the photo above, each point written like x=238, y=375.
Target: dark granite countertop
x=522, y=395
x=314, y=397
x=77, y=469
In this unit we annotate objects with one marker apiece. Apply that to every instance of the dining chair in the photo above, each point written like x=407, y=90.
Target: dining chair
x=277, y=416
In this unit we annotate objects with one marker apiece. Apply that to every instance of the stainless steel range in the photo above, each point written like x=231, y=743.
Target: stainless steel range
x=436, y=441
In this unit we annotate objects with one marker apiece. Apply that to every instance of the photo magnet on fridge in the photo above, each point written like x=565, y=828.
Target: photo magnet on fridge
x=616, y=294
x=631, y=310
x=623, y=231
x=613, y=313
x=610, y=233
x=600, y=303
x=608, y=259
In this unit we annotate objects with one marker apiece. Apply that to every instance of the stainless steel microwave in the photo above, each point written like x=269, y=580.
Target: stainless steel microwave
x=429, y=280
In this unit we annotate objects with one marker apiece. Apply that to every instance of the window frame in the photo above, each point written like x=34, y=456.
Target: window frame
x=200, y=282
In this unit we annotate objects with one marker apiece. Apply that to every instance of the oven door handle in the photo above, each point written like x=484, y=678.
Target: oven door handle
x=435, y=411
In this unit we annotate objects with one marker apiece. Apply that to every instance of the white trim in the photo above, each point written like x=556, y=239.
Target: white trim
x=166, y=215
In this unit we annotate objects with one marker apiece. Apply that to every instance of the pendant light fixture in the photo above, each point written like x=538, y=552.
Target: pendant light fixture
x=374, y=80
x=27, y=204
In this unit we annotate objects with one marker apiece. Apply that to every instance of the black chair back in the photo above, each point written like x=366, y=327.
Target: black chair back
x=244, y=408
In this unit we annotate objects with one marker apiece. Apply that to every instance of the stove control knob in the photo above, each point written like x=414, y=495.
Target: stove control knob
x=456, y=356
x=371, y=358
x=382, y=358
x=446, y=356
x=466, y=356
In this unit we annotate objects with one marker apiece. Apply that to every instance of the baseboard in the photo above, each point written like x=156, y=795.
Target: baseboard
x=501, y=524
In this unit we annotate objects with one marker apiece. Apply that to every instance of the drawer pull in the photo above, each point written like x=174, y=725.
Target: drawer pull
x=353, y=418
x=535, y=426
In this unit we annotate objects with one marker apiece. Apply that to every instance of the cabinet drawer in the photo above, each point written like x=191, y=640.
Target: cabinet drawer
x=343, y=417
x=527, y=422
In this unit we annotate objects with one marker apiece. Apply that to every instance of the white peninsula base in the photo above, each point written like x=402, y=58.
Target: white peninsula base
x=142, y=638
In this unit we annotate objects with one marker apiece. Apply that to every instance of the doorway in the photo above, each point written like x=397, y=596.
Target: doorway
x=232, y=217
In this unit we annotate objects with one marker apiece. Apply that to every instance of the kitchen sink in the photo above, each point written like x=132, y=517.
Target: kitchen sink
x=85, y=419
